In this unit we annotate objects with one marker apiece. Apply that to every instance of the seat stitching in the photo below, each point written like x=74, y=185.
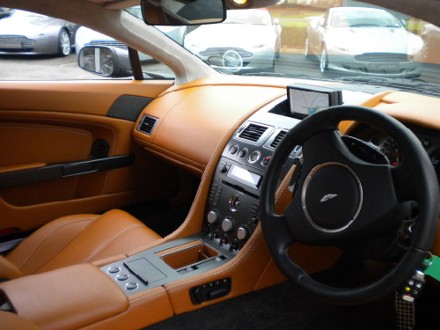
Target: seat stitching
x=23, y=263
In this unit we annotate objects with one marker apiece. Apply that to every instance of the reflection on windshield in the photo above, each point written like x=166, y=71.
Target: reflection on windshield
x=319, y=41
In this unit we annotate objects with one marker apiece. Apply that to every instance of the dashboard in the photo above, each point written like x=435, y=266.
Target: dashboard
x=239, y=140
x=232, y=211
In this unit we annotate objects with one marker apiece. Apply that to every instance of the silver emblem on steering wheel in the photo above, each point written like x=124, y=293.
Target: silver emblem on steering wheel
x=327, y=197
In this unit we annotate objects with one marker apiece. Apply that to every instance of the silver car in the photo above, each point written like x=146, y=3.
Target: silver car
x=249, y=39
x=24, y=32
x=363, y=40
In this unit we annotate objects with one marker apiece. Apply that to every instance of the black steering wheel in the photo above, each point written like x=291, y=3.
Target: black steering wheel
x=342, y=198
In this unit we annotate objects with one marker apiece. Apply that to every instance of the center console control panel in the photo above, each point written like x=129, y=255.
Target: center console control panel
x=233, y=213
x=169, y=262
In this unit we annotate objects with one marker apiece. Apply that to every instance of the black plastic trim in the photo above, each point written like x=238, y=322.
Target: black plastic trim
x=128, y=107
x=135, y=64
x=63, y=170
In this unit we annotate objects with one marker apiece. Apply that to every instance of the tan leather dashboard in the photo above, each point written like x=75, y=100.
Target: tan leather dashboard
x=193, y=121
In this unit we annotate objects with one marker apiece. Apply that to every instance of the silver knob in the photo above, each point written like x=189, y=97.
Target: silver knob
x=234, y=203
x=227, y=224
x=212, y=217
x=242, y=233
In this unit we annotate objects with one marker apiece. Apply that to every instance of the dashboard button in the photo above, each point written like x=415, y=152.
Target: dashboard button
x=234, y=203
x=212, y=217
x=131, y=286
x=254, y=157
x=113, y=270
x=227, y=224
x=233, y=149
x=242, y=233
x=265, y=161
x=243, y=152
x=122, y=277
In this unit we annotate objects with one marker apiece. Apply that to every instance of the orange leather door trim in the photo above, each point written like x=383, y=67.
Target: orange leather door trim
x=57, y=122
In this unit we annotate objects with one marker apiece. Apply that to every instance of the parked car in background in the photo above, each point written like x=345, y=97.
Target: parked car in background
x=89, y=37
x=24, y=32
x=249, y=39
x=212, y=198
x=363, y=40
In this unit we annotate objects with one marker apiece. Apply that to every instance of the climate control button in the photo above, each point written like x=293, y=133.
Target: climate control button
x=234, y=203
x=242, y=233
x=227, y=224
x=212, y=217
x=254, y=157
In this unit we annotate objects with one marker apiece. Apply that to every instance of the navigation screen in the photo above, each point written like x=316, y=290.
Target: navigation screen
x=305, y=100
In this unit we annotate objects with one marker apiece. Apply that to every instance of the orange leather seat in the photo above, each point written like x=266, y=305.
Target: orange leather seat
x=76, y=239
x=12, y=321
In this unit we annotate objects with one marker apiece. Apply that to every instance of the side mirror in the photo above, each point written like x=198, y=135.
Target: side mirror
x=178, y=12
x=105, y=61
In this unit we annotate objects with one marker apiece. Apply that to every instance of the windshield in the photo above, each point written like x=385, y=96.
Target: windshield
x=315, y=40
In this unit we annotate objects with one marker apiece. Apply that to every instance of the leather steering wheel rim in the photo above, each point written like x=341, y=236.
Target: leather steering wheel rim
x=277, y=230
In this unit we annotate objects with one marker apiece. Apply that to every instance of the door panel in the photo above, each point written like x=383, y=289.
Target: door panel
x=46, y=124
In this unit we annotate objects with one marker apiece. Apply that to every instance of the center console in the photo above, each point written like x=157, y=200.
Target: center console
x=232, y=211
x=231, y=216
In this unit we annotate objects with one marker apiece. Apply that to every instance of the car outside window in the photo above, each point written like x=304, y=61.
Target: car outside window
x=315, y=40
x=38, y=47
x=353, y=41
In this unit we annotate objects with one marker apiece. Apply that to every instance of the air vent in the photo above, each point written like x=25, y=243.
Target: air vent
x=253, y=132
x=147, y=124
x=277, y=139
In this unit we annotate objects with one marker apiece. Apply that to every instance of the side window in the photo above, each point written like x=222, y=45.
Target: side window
x=152, y=69
x=38, y=47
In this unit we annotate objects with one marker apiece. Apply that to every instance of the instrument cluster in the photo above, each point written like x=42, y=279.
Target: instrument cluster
x=388, y=146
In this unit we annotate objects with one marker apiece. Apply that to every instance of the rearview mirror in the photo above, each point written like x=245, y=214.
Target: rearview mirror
x=105, y=61
x=183, y=12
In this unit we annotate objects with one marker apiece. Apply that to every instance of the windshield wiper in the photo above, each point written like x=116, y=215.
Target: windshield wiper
x=413, y=84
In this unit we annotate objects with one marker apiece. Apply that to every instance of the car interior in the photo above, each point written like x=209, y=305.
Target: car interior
x=213, y=200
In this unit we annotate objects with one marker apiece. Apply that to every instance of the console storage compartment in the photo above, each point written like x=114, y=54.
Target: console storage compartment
x=166, y=263
x=193, y=253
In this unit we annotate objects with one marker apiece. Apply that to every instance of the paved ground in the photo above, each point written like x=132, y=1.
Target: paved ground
x=41, y=68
